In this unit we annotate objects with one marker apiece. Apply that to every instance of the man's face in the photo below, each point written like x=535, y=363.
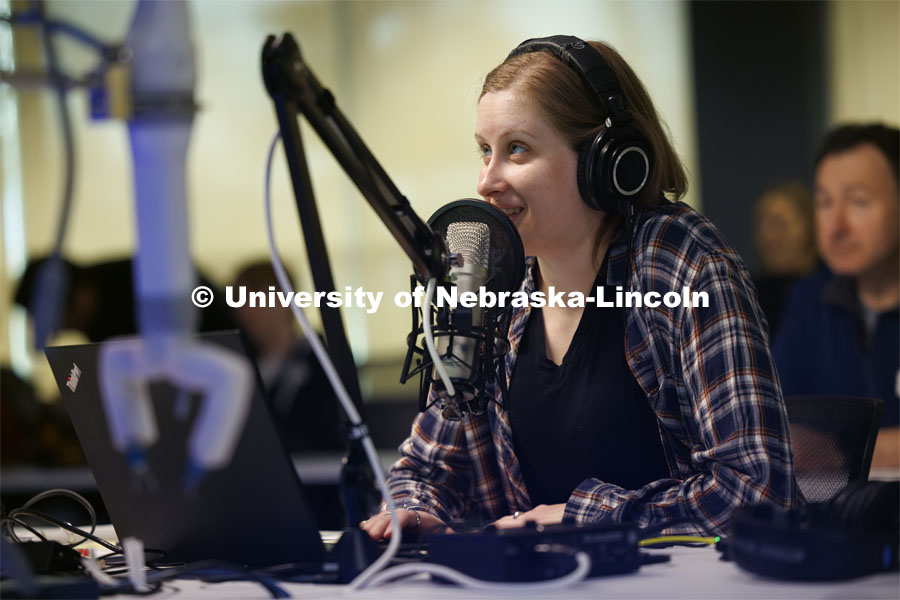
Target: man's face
x=857, y=214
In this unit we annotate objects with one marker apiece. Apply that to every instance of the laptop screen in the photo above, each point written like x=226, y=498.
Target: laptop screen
x=252, y=511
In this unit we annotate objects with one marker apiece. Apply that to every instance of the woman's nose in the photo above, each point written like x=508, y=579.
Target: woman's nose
x=492, y=179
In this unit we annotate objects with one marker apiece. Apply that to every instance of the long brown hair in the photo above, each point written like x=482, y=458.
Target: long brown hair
x=574, y=110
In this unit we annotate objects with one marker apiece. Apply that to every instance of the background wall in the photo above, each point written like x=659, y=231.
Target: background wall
x=761, y=83
x=770, y=79
x=407, y=74
x=864, y=60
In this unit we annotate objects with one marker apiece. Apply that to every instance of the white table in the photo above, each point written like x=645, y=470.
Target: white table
x=695, y=573
x=692, y=573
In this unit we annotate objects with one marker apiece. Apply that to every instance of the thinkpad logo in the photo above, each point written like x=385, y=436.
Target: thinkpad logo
x=74, y=376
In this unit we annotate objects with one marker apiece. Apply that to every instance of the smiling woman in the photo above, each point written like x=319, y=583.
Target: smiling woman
x=521, y=154
x=615, y=414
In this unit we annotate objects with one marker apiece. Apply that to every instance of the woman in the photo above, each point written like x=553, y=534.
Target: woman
x=785, y=236
x=646, y=415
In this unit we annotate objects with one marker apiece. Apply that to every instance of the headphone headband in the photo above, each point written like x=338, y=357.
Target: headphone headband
x=587, y=62
x=613, y=166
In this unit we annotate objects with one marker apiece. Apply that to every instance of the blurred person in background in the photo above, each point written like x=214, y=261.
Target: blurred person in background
x=296, y=387
x=100, y=299
x=840, y=333
x=785, y=238
x=99, y=305
x=32, y=432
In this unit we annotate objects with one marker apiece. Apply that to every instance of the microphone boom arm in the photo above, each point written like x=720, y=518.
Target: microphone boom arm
x=295, y=90
x=294, y=87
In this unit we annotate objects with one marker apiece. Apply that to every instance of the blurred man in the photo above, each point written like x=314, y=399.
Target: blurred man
x=296, y=387
x=839, y=334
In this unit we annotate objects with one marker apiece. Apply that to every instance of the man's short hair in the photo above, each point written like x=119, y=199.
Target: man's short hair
x=258, y=275
x=846, y=137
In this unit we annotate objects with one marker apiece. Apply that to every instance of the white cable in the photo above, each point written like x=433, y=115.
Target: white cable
x=338, y=386
x=578, y=574
x=429, y=338
x=133, y=549
x=90, y=564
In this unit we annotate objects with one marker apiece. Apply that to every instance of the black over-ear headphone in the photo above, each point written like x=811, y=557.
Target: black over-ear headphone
x=615, y=166
x=854, y=534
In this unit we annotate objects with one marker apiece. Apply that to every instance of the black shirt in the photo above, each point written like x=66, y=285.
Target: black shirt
x=586, y=418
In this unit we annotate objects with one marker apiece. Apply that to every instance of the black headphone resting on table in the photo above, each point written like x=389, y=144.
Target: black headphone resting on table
x=615, y=166
x=856, y=533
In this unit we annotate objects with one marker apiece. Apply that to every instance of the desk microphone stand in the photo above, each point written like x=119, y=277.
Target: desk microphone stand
x=294, y=90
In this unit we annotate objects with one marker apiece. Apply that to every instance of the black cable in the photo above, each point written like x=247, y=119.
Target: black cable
x=219, y=565
x=628, y=211
x=160, y=554
x=11, y=522
x=51, y=285
x=127, y=588
x=69, y=494
x=155, y=581
x=655, y=530
x=35, y=16
x=67, y=526
x=157, y=578
x=299, y=573
x=279, y=570
x=65, y=122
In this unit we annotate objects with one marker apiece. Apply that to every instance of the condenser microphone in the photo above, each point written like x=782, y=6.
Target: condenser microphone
x=469, y=244
x=471, y=341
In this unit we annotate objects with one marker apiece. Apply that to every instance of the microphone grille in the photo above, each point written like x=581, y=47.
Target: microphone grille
x=472, y=240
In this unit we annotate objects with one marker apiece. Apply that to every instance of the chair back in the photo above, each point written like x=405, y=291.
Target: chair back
x=833, y=439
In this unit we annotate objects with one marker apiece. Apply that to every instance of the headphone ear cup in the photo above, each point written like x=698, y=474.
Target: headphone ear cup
x=865, y=507
x=873, y=507
x=854, y=534
x=613, y=168
x=592, y=178
x=586, y=176
x=625, y=165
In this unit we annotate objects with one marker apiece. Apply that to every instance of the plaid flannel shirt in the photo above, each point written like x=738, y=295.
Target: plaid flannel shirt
x=708, y=375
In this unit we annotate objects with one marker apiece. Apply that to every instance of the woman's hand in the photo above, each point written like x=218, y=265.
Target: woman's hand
x=379, y=526
x=542, y=514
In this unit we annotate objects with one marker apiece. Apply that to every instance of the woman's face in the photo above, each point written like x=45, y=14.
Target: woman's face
x=529, y=171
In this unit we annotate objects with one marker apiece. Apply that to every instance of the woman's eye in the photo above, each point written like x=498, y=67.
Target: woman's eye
x=485, y=151
x=516, y=148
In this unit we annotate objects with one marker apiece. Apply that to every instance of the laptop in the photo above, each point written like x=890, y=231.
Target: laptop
x=252, y=511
